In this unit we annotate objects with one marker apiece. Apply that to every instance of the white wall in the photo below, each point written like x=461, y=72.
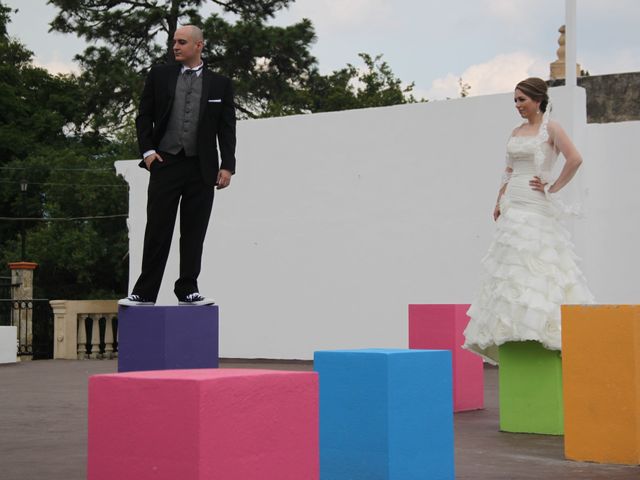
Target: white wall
x=336, y=221
x=8, y=344
x=612, y=228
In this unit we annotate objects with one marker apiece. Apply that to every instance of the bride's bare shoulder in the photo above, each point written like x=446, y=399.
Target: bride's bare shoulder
x=555, y=129
x=554, y=126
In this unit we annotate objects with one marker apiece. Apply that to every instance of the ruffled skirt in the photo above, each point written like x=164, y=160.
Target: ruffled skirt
x=530, y=270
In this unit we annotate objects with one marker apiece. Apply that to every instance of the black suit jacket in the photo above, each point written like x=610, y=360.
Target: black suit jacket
x=217, y=118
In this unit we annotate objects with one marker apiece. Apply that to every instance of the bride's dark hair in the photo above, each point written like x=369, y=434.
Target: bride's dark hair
x=536, y=89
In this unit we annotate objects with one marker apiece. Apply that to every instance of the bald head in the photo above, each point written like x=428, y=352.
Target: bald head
x=194, y=32
x=187, y=45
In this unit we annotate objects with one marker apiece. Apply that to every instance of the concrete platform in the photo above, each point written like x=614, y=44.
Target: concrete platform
x=43, y=434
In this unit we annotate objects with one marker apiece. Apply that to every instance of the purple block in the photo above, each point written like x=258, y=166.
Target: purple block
x=167, y=338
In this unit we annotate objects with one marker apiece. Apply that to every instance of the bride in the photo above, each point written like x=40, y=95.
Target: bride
x=530, y=269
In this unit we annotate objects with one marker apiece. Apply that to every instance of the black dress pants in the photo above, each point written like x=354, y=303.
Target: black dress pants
x=176, y=180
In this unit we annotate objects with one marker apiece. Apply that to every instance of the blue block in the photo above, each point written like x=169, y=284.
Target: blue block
x=167, y=338
x=385, y=414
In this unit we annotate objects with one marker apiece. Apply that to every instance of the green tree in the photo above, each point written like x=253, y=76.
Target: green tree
x=35, y=107
x=465, y=88
x=266, y=62
x=373, y=85
x=273, y=70
x=270, y=65
x=43, y=143
x=77, y=232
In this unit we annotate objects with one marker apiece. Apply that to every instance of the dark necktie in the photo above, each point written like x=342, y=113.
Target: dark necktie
x=190, y=71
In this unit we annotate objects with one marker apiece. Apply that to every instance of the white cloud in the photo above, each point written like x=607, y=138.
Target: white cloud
x=55, y=65
x=505, y=9
x=498, y=75
x=336, y=15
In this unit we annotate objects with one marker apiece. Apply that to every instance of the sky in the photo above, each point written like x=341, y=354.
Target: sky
x=490, y=44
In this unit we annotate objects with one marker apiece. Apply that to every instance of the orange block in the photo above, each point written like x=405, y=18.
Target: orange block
x=601, y=373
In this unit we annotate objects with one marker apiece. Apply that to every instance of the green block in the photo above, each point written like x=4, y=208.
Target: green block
x=530, y=389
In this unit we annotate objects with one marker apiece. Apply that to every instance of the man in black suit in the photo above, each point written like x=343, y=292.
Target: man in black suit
x=183, y=110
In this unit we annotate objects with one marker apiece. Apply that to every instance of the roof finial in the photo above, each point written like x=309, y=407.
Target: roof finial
x=557, y=67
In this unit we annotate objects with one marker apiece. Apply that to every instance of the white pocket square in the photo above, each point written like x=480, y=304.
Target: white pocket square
x=215, y=100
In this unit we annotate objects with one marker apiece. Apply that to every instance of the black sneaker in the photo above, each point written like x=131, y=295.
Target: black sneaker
x=195, y=299
x=134, y=300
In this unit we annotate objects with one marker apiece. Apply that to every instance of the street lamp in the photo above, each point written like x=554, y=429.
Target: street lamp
x=23, y=235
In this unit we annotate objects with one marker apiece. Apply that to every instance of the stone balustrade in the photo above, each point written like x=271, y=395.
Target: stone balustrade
x=85, y=329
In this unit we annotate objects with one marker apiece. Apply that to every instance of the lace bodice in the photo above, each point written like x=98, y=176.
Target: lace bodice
x=534, y=155
x=530, y=155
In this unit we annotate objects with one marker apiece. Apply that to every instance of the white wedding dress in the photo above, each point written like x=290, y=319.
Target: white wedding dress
x=530, y=269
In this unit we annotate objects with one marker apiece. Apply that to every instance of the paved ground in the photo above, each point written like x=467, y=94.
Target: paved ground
x=43, y=410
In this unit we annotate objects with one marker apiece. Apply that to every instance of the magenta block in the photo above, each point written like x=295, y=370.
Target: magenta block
x=229, y=424
x=440, y=327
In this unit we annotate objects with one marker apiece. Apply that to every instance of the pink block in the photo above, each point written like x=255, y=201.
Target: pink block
x=230, y=424
x=440, y=327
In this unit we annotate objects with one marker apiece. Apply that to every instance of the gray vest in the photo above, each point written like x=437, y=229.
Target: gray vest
x=182, y=127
